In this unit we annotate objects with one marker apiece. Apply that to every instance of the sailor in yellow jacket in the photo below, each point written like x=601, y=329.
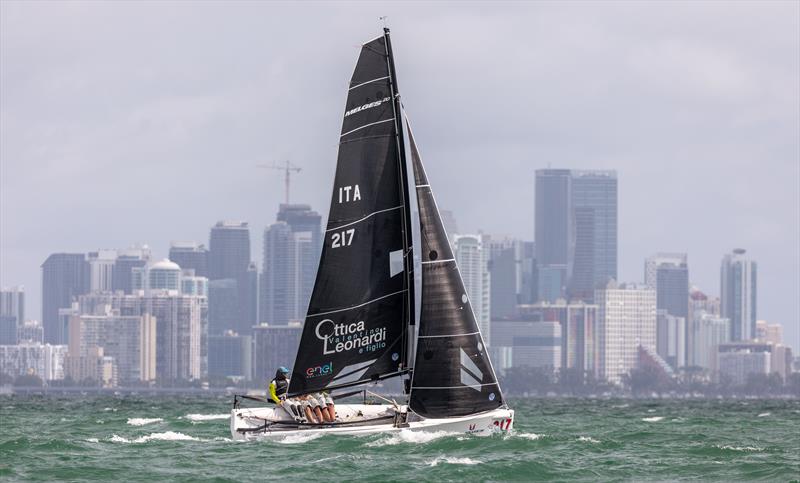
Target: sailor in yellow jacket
x=278, y=388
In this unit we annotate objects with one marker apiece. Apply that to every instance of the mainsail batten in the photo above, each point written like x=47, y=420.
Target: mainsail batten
x=355, y=328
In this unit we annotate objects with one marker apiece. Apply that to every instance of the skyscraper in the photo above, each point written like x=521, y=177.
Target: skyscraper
x=64, y=277
x=554, y=228
x=668, y=274
x=229, y=258
x=626, y=320
x=594, y=201
x=472, y=258
x=738, y=283
x=292, y=248
x=127, y=260
x=12, y=313
x=229, y=250
x=576, y=231
x=190, y=255
x=101, y=270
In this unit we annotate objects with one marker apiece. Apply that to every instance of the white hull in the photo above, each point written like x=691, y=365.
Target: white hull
x=360, y=419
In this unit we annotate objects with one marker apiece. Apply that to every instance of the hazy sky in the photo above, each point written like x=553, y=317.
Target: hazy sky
x=126, y=123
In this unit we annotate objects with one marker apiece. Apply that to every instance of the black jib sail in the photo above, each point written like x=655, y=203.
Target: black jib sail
x=357, y=321
x=452, y=372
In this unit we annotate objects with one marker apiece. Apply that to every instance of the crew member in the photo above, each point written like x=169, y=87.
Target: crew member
x=278, y=388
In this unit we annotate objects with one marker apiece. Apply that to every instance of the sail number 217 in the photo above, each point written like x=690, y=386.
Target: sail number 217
x=342, y=238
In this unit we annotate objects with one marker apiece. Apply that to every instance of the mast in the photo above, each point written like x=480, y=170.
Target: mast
x=408, y=258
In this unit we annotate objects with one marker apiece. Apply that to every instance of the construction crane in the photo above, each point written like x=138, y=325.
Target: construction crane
x=287, y=168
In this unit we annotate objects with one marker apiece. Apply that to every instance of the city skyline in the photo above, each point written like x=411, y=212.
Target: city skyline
x=677, y=193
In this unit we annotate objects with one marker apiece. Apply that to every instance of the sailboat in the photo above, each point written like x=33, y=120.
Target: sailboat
x=388, y=300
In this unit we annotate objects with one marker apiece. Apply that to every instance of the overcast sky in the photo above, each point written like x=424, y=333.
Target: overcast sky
x=125, y=123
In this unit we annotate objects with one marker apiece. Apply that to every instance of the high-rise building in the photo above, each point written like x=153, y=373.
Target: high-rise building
x=594, y=203
x=472, y=258
x=30, y=332
x=128, y=341
x=707, y=332
x=292, y=247
x=229, y=250
x=736, y=361
x=671, y=337
x=229, y=258
x=769, y=333
x=12, y=313
x=163, y=275
x=554, y=228
x=65, y=276
x=533, y=344
x=223, y=306
x=578, y=338
x=668, y=274
x=626, y=320
x=190, y=255
x=576, y=231
x=512, y=268
x=274, y=346
x=738, y=284
x=230, y=355
x=43, y=360
x=127, y=260
x=101, y=270
x=181, y=328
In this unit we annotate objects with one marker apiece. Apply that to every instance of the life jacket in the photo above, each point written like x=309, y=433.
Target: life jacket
x=281, y=386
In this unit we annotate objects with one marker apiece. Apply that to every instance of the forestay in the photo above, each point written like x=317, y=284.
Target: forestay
x=452, y=372
x=356, y=324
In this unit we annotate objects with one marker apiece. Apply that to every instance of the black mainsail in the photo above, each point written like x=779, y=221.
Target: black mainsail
x=453, y=375
x=357, y=322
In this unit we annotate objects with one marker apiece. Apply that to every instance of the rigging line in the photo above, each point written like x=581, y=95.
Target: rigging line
x=368, y=82
x=364, y=218
x=365, y=125
x=447, y=335
x=455, y=387
x=439, y=261
x=357, y=306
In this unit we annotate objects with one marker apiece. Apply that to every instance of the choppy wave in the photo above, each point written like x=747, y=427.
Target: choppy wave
x=739, y=448
x=653, y=419
x=143, y=421
x=452, y=461
x=165, y=436
x=587, y=439
x=299, y=438
x=206, y=417
x=531, y=436
x=764, y=415
x=406, y=436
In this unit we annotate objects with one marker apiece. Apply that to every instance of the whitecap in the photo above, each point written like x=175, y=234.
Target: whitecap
x=405, y=436
x=206, y=417
x=92, y=440
x=740, y=448
x=453, y=461
x=531, y=436
x=587, y=439
x=764, y=415
x=299, y=438
x=653, y=419
x=143, y=421
x=651, y=410
x=166, y=436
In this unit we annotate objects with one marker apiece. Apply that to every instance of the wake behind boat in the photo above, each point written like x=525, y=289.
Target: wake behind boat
x=388, y=300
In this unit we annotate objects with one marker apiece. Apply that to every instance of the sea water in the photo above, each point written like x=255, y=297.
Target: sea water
x=129, y=438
